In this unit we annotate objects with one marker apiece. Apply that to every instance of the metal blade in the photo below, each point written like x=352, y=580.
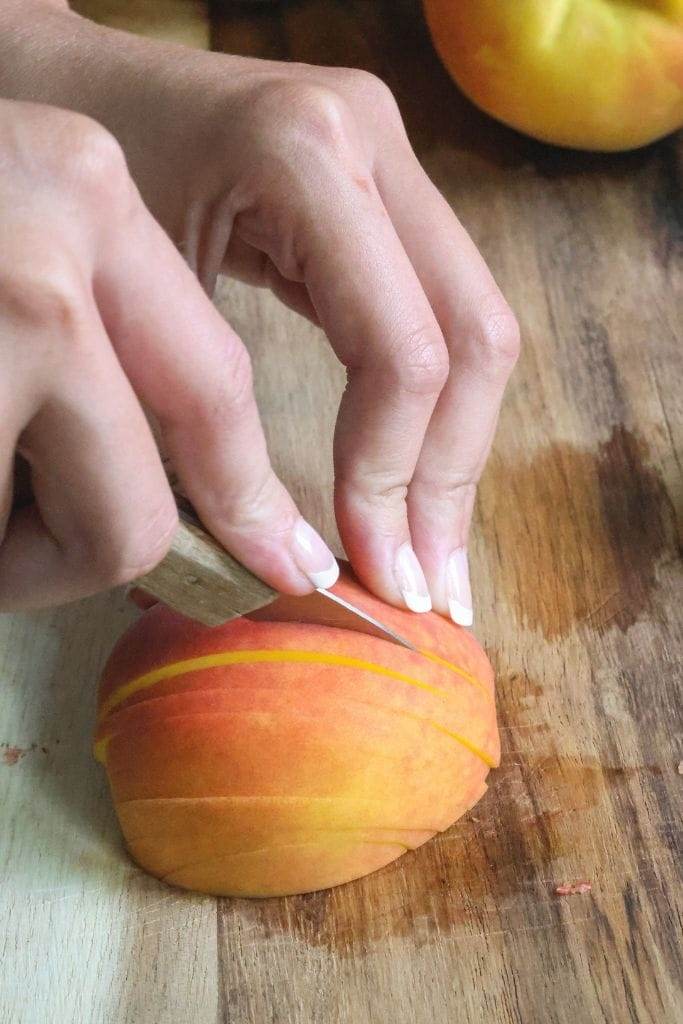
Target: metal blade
x=324, y=608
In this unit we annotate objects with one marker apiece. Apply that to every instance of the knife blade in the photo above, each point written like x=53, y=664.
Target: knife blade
x=324, y=608
x=200, y=579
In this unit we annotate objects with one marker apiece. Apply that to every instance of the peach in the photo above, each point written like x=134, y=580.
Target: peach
x=265, y=758
x=593, y=74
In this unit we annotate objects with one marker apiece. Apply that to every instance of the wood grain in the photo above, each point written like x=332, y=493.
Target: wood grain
x=577, y=571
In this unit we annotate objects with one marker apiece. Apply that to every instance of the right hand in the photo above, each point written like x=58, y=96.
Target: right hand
x=98, y=313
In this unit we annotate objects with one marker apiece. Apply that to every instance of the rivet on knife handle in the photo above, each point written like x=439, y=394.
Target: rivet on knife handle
x=201, y=580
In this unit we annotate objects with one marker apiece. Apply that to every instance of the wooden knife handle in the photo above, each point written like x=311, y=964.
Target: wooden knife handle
x=201, y=580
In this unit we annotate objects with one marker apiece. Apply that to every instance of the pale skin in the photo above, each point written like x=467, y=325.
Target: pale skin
x=132, y=174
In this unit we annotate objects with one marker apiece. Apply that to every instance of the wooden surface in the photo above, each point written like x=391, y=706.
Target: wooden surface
x=578, y=584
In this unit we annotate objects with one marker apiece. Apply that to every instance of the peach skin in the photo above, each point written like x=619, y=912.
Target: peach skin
x=591, y=74
x=271, y=758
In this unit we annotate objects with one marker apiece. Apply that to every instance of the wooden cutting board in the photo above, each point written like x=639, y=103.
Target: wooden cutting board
x=578, y=583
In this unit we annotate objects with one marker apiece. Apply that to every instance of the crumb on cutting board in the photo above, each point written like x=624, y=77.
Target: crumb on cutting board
x=573, y=888
x=11, y=755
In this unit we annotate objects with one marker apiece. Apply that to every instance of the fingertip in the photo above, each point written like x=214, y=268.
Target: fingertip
x=461, y=615
x=419, y=603
x=411, y=580
x=394, y=574
x=327, y=579
x=458, y=589
x=313, y=557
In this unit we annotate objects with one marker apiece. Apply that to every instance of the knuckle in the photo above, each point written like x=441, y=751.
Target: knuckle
x=224, y=402
x=313, y=115
x=421, y=363
x=374, y=499
x=497, y=338
x=380, y=491
x=457, y=489
x=43, y=293
x=120, y=560
x=233, y=391
x=90, y=158
x=257, y=508
x=239, y=377
x=370, y=91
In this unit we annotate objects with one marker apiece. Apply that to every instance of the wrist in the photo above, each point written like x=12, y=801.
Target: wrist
x=173, y=109
x=51, y=55
x=27, y=15
x=32, y=33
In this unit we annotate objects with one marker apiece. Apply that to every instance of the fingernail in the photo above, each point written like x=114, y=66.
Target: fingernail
x=411, y=580
x=313, y=556
x=458, y=588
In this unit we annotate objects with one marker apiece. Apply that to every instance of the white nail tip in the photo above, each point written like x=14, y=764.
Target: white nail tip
x=411, y=580
x=325, y=579
x=417, y=602
x=461, y=615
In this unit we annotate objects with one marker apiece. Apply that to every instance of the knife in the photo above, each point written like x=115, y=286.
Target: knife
x=200, y=579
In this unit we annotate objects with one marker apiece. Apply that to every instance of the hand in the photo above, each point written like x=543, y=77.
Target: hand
x=99, y=312
x=302, y=179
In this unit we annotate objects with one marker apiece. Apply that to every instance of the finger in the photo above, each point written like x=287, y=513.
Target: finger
x=103, y=512
x=246, y=263
x=380, y=324
x=483, y=342
x=194, y=373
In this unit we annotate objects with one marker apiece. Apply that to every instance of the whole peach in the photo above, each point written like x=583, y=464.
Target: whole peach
x=593, y=74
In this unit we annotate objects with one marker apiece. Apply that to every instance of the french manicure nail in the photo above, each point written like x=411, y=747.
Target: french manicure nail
x=313, y=556
x=458, y=588
x=411, y=580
